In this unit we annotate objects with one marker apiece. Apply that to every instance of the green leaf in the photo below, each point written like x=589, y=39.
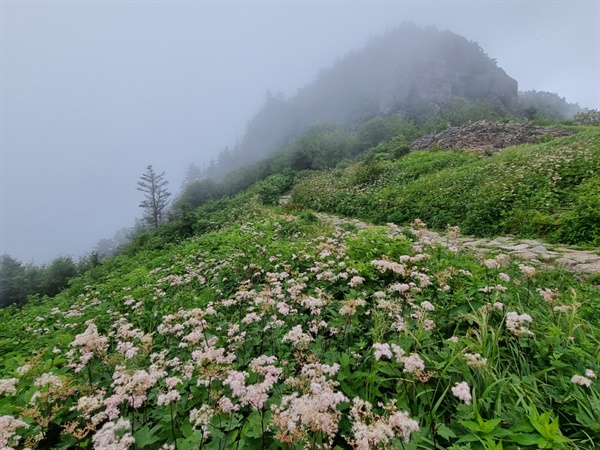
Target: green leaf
x=446, y=432
x=252, y=428
x=145, y=437
x=522, y=427
x=489, y=425
x=544, y=443
x=473, y=426
x=526, y=439
x=469, y=438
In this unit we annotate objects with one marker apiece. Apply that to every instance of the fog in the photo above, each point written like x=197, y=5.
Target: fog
x=93, y=92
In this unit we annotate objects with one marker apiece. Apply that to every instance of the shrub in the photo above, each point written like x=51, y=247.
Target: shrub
x=581, y=224
x=588, y=117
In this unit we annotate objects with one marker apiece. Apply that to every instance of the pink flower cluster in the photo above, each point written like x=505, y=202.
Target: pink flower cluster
x=254, y=395
x=370, y=430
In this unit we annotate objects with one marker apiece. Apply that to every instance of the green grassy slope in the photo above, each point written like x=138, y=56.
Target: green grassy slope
x=280, y=331
x=247, y=325
x=546, y=190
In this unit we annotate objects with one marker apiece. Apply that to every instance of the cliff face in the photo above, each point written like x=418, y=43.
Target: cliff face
x=410, y=71
x=421, y=70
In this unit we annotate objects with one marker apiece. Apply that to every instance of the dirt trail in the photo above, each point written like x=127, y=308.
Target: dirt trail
x=577, y=261
x=544, y=254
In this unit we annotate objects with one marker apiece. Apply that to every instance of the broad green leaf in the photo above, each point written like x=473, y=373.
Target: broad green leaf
x=446, y=432
x=526, y=439
x=146, y=437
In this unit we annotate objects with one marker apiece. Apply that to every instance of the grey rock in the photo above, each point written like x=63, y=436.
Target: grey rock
x=539, y=249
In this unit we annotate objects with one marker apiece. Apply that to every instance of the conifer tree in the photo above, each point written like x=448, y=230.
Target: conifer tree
x=157, y=197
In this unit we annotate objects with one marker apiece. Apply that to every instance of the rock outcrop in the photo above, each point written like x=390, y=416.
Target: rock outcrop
x=488, y=137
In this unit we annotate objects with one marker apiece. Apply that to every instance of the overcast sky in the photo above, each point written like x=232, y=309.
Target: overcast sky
x=93, y=92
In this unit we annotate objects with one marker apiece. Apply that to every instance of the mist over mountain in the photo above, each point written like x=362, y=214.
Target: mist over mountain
x=413, y=72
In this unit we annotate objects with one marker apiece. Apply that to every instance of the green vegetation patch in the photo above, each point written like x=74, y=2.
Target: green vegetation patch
x=283, y=332
x=544, y=190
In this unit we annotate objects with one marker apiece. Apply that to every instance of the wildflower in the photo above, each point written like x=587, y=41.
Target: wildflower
x=413, y=364
x=400, y=287
x=312, y=303
x=8, y=426
x=453, y=339
x=475, y=360
x=491, y=264
x=47, y=379
x=8, y=386
x=200, y=418
x=453, y=231
x=134, y=386
x=314, y=409
x=399, y=324
x=403, y=424
x=127, y=349
x=89, y=343
x=498, y=306
x=547, y=294
x=398, y=352
x=370, y=429
x=462, y=391
x=427, y=306
x=114, y=436
x=383, y=265
x=23, y=370
x=297, y=337
x=226, y=405
x=237, y=382
x=528, y=271
x=87, y=404
x=581, y=380
x=356, y=281
x=418, y=224
x=514, y=322
x=170, y=397
x=590, y=374
x=382, y=351
x=504, y=277
x=349, y=306
x=503, y=260
x=112, y=405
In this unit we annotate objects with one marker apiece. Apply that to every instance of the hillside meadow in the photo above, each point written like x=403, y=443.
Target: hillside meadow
x=547, y=190
x=281, y=331
x=244, y=324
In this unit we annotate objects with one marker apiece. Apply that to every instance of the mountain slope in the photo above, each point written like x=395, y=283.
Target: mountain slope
x=416, y=73
x=280, y=331
x=546, y=189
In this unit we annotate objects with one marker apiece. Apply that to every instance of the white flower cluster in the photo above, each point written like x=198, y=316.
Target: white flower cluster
x=516, y=323
x=586, y=380
x=462, y=391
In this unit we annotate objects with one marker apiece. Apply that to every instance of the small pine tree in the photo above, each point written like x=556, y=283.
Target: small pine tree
x=157, y=197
